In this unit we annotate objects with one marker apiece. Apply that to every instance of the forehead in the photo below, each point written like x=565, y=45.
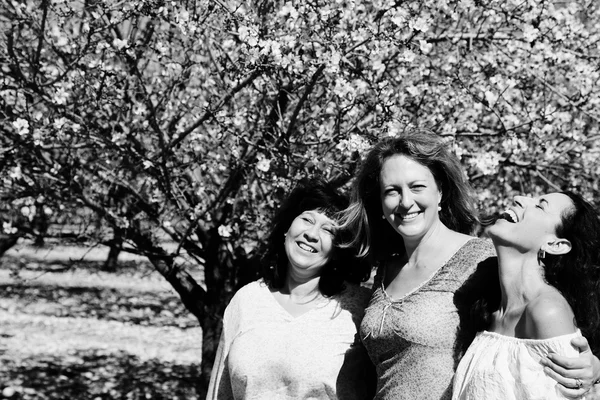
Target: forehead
x=558, y=202
x=400, y=168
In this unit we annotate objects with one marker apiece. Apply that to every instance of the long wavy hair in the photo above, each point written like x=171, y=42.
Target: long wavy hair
x=374, y=236
x=312, y=194
x=576, y=274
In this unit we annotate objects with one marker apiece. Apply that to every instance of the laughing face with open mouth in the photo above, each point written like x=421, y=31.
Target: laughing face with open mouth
x=530, y=223
x=409, y=196
x=309, y=243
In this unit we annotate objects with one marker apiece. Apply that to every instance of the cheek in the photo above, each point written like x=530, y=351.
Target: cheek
x=388, y=203
x=327, y=247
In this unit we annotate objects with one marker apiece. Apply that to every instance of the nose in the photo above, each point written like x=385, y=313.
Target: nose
x=406, y=200
x=312, y=234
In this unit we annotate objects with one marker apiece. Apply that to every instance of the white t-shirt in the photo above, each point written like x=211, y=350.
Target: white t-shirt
x=265, y=353
x=498, y=367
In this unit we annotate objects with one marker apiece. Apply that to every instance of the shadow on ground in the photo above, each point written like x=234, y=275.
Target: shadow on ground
x=97, y=375
x=140, y=308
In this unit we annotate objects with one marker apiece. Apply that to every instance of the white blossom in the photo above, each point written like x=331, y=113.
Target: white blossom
x=425, y=46
x=120, y=44
x=530, y=33
x=225, y=231
x=490, y=97
x=22, y=126
x=515, y=145
x=263, y=165
x=60, y=96
x=16, y=173
x=419, y=24
x=8, y=228
x=487, y=162
x=354, y=143
x=59, y=123
x=399, y=17
x=408, y=56
x=147, y=164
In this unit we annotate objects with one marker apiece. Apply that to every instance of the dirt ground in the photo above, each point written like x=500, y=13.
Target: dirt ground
x=79, y=333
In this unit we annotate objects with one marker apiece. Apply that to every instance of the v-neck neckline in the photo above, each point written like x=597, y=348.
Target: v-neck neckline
x=426, y=281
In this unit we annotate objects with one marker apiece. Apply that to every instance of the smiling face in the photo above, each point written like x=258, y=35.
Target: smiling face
x=309, y=243
x=409, y=196
x=530, y=224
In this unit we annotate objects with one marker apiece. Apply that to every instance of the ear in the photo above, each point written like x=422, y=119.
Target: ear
x=557, y=247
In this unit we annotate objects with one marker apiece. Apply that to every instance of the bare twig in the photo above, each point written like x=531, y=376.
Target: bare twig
x=564, y=97
x=204, y=117
x=307, y=91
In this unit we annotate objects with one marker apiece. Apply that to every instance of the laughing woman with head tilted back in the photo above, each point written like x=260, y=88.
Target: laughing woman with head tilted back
x=549, y=286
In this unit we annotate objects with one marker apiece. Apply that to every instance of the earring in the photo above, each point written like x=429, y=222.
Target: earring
x=439, y=208
x=383, y=217
x=542, y=254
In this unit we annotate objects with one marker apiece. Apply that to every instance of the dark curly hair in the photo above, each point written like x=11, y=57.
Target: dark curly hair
x=376, y=237
x=311, y=194
x=576, y=274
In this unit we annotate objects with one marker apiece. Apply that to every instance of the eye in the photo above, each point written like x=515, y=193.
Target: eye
x=391, y=192
x=307, y=219
x=418, y=187
x=329, y=230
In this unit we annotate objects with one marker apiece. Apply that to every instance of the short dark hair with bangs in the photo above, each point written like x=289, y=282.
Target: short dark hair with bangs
x=311, y=194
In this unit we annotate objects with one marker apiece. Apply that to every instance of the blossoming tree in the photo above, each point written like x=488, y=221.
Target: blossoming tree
x=188, y=121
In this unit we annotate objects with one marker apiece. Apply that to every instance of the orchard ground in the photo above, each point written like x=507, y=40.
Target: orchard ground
x=72, y=331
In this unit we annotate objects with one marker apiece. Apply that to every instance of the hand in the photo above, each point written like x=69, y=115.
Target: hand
x=593, y=394
x=569, y=372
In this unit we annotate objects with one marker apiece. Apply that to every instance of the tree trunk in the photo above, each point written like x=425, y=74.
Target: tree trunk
x=115, y=245
x=6, y=242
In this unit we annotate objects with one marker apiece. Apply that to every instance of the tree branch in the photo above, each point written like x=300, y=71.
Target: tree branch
x=307, y=91
x=175, y=142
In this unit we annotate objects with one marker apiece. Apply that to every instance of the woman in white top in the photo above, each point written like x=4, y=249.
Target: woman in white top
x=293, y=334
x=549, y=275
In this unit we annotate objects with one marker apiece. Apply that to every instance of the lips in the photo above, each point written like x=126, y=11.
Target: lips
x=307, y=247
x=409, y=216
x=510, y=216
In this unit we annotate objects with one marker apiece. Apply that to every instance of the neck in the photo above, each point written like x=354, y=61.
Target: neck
x=427, y=244
x=521, y=277
x=301, y=288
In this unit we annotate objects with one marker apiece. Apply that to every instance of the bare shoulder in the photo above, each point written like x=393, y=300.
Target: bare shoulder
x=549, y=315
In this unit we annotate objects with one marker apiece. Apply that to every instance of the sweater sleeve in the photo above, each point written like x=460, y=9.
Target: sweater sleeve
x=219, y=387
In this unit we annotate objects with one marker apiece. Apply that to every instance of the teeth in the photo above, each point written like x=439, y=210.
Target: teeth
x=306, y=247
x=410, y=216
x=510, y=216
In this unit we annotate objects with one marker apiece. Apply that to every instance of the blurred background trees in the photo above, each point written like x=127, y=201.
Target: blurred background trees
x=173, y=129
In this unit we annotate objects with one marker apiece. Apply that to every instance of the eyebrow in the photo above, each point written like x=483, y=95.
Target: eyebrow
x=313, y=213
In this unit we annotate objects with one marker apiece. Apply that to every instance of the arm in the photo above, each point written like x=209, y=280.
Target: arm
x=565, y=370
x=552, y=316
